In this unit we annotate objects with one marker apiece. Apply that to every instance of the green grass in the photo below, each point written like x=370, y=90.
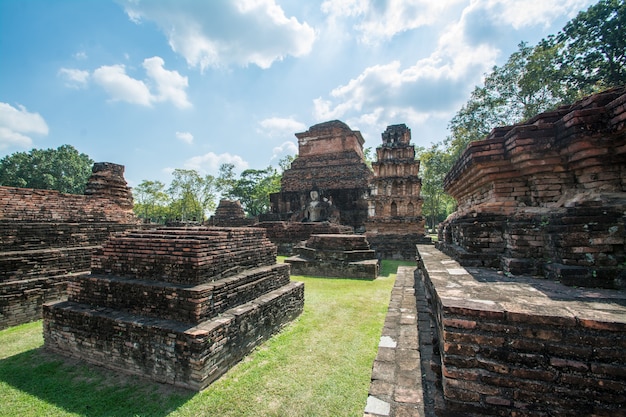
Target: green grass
x=320, y=365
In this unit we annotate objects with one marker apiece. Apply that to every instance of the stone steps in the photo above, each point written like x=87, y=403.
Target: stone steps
x=191, y=304
x=186, y=355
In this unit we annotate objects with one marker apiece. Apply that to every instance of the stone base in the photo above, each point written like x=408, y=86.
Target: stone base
x=396, y=246
x=168, y=351
x=524, y=346
x=366, y=269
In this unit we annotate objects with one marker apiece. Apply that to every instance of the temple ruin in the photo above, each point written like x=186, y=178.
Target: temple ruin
x=48, y=237
x=339, y=256
x=329, y=179
x=546, y=197
x=395, y=223
x=329, y=189
x=176, y=305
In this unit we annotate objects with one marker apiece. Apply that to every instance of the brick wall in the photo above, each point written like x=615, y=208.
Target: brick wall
x=524, y=347
x=46, y=237
x=546, y=195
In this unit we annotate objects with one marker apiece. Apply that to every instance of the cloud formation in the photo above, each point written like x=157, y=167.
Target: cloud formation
x=220, y=33
x=280, y=127
x=185, y=137
x=210, y=162
x=17, y=124
x=470, y=37
x=160, y=86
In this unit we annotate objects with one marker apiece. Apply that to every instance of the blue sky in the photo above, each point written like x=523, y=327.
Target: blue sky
x=157, y=85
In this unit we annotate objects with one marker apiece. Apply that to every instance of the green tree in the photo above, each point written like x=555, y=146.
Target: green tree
x=226, y=180
x=151, y=201
x=593, y=47
x=435, y=163
x=63, y=169
x=192, y=196
x=254, y=187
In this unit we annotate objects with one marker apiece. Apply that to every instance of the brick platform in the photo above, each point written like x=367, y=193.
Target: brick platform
x=524, y=346
x=331, y=255
x=177, y=305
x=47, y=237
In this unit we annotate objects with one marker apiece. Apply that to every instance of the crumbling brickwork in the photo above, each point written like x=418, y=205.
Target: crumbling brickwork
x=47, y=237
x=523, y=346
x=331, y=162
x=287, y=234
x=230, y=213
x=177, y=305
x=546, y=197
x=395, y=223
x=332, y=255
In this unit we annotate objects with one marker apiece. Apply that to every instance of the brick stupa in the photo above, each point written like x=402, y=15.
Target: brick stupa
x=176, y=305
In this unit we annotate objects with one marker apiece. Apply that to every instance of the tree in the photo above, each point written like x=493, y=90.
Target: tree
x=254, y=187
x=192, y=196
x=527, y=84
x=226, y=179
x=63, y=169
x=151, y=201
x=435, y=163
x=593, y=47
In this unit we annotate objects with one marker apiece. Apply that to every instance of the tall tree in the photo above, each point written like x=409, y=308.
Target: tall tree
x=254, y=187
x=192, y=196
x=151, y=201
x=594, y=47
x=63, y=169
x=435, y=163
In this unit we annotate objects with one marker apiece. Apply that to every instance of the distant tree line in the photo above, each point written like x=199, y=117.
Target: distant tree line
x=192, y=197
x=587, y=56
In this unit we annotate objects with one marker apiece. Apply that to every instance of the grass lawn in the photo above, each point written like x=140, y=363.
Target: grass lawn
x=320, y=365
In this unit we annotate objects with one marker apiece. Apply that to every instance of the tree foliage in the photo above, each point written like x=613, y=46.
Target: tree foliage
x=586, y=56
x=63, y=169
x=254, y=187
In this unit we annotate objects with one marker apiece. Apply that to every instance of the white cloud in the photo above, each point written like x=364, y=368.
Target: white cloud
x=378, y=21
x=185, y=137
x=210, y=162
x=121, y=87
x=285, y=148
x=223, y=33
x=169, y=85
x=16, y=124
x=74, y=78
x=531, y=12
x=279, y=127
x=81, y=55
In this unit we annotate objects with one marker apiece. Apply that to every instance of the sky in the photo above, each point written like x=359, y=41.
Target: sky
x=157, y=85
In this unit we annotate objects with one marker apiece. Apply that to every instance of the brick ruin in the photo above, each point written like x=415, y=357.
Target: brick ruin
x=546, y=197
x=176, y=305
x=330, y=189
x=230, y=213
x=48, y=237
x=328, y=180
x=395, y=223
x=339, y=256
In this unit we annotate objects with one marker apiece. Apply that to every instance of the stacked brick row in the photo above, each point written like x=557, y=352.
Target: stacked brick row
x=230, y=214
x=505, y=353
x=174, y=255
x=561, y=172
x=286, y=234
x=177, y=305
x=341, y=256
x=47, y=237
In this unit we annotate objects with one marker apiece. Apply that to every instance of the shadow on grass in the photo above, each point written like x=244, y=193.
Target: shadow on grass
x=84, y=389
x=389, y=267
